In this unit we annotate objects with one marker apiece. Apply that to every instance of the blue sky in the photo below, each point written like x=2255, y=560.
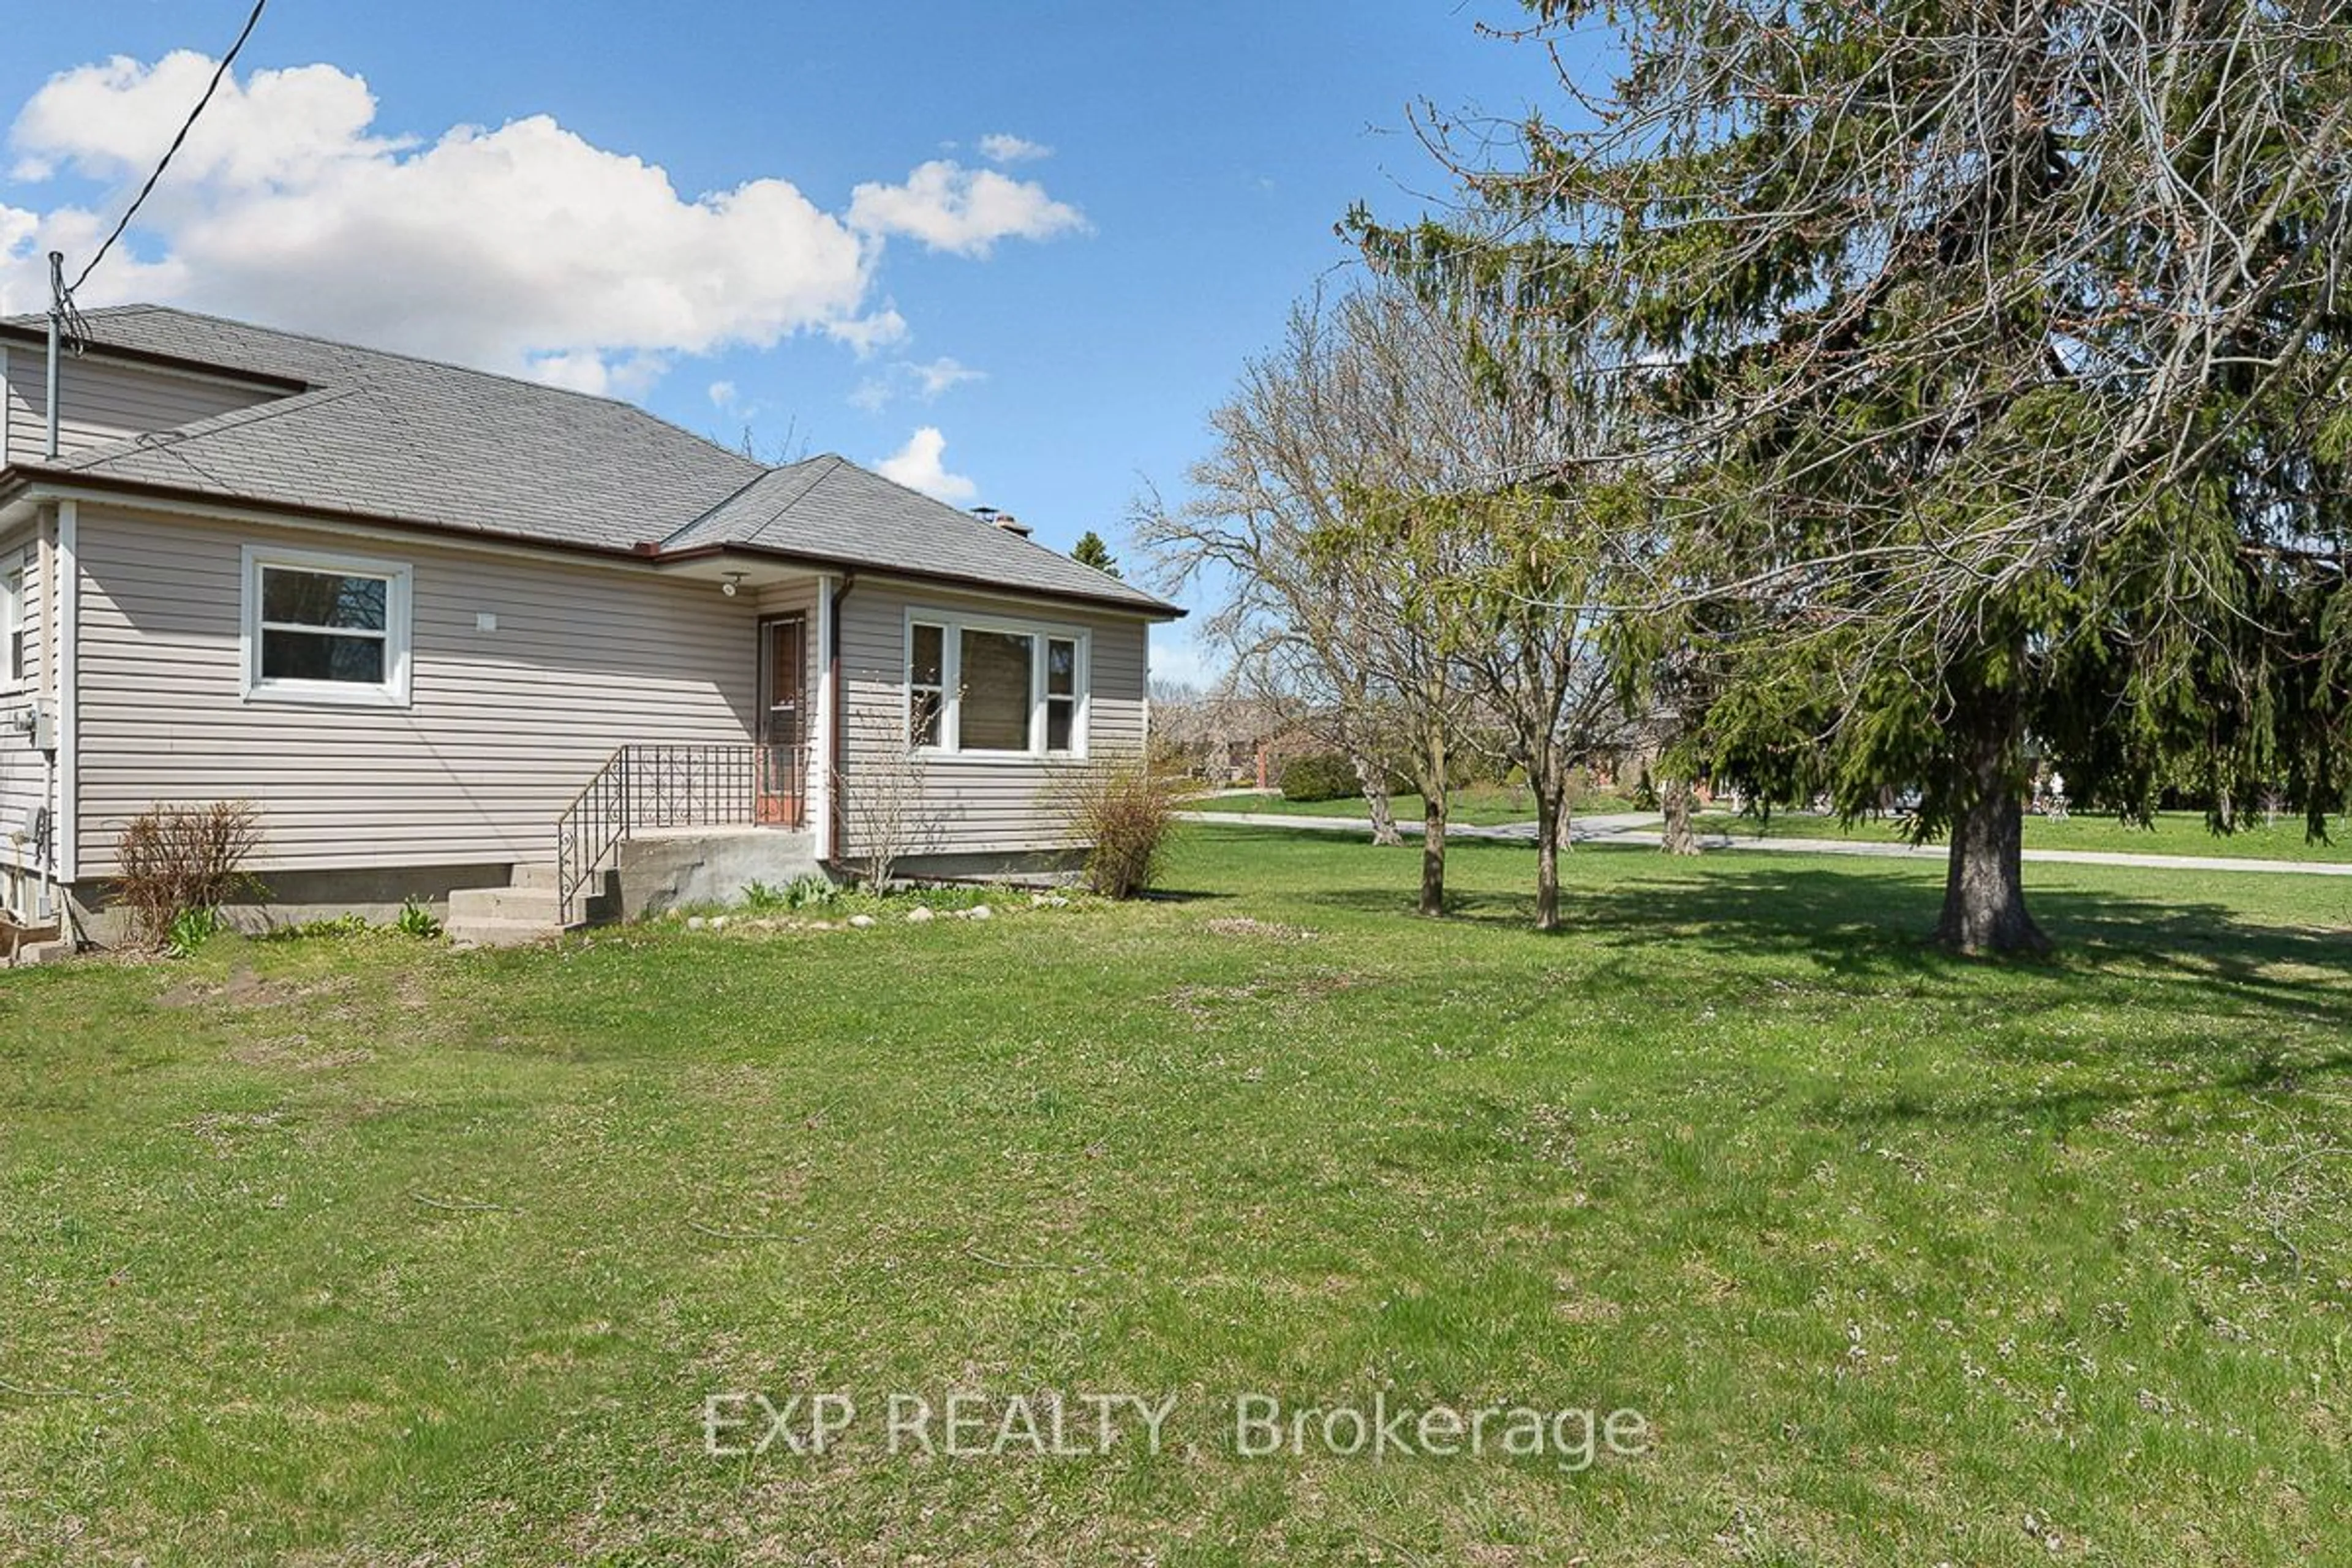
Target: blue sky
x=1060, y=307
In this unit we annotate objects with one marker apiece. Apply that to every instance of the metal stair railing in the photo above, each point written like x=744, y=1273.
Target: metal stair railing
x=644, y=787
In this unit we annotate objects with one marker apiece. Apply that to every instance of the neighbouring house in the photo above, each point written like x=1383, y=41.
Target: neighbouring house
x=1228, y=739
x=503, y=649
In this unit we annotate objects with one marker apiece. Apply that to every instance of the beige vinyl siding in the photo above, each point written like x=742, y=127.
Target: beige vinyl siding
x=24, y=771
x=503, y=729
x=103, y=402
x=798, y=597
x=973, y=805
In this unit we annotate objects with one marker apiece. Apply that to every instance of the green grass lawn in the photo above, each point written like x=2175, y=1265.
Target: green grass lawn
x=2173, y=832
x=364, y=1252
x=1484, y=806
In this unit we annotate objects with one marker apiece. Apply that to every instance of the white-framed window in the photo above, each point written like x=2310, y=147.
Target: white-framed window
x=927, y=681
x=15, y=669
x=1061, y=694
x=324, y=628
x=986, y=687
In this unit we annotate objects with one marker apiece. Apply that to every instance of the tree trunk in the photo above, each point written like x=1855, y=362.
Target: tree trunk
x=1678, y=839
x=1984, y=888
x=1432, y=829
x=1432, y=854
x=1375, y=797
x=1551, y=827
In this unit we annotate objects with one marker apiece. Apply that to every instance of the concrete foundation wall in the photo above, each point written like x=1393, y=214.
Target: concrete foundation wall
x=297, y=898
x=1022, y=868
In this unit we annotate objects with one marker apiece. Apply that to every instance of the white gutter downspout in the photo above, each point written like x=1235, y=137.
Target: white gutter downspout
x=66, y=821
x=52, y=888
x=820, y=742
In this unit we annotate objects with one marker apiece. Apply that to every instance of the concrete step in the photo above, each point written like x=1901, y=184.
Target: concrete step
x=500, y=932
x=600, y=899
x=505, y=904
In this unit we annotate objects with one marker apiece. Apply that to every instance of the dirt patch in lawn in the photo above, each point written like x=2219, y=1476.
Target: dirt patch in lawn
x=1262, y=931
x=1288, y=995
x=297, y=1053
x=244, y=988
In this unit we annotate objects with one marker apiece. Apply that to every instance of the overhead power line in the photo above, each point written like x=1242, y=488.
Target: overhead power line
x=219, y=72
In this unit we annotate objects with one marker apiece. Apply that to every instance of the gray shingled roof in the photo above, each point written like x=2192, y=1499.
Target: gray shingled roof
x=386, y=435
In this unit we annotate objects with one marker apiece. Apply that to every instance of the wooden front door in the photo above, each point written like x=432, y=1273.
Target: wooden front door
x=784, y=739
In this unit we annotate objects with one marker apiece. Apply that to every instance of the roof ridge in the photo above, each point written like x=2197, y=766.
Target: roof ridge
x=715, y=508
x=211, y=425
x=833, y=462
x=818, y=470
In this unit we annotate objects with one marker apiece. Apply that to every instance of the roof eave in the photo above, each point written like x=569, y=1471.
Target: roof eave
x=43, y=482
x=37, y=478
x=1135, y=603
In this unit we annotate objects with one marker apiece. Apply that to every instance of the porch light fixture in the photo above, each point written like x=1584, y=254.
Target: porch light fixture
x=734, y=581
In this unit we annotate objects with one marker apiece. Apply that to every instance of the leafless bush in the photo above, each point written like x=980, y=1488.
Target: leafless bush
x=889, y=817
x=1123, y=812
x=179, y=860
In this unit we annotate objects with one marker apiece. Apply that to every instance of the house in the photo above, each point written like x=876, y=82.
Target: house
x=490, y=645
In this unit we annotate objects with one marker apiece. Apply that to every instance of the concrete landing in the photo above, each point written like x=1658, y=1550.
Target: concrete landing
x=662, y=870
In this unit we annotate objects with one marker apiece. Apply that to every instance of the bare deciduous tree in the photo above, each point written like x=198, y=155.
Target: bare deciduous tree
x=1321, y=631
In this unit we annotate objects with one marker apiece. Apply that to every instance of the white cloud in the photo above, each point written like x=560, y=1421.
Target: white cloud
x=943, y=375
x=1003, y=147
x=722, y=394
x=965, y=211
x=907, y=378
x=580, y=370
x=18, y=230
x=524, y=247
x=876, y=330
x=916, y=466
x=601, y=375
x=278, y=128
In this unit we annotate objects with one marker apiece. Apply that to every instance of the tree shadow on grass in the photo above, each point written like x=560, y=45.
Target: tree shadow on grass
x=2226, y=987
x=1874, y=919
x=1871, y=922
x=2060, y=1111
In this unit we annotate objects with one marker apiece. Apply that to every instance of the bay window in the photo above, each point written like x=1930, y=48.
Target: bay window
x=992, y=689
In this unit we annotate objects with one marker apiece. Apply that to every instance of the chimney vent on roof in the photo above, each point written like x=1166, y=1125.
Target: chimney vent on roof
x=1004, y=519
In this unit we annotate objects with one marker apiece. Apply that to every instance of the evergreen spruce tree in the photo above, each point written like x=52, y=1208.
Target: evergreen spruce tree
x=1090, y=550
